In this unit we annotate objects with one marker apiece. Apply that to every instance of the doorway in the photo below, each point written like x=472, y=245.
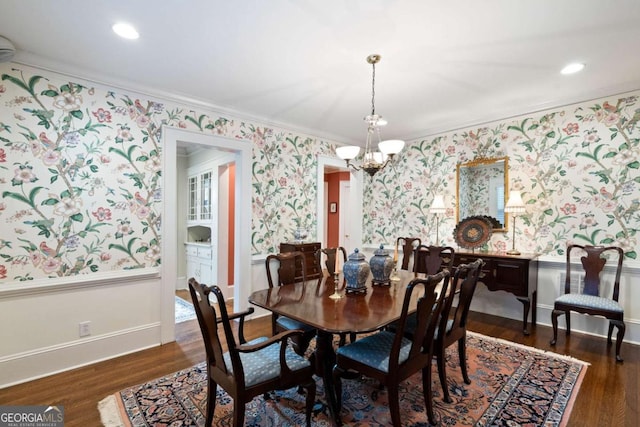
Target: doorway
x=352, y=219
x=240, y=152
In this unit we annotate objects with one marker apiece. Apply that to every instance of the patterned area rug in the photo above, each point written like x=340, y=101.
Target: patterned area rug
x=510, y=385
x=184, y=310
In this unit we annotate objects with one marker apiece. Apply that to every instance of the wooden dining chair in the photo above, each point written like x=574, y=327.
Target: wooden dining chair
x=453, y=324
x=431, y=259
x=248, y=368
x=408, y=245
x=589, y=300
x=331, y=258
x=286, y=275
x=390, y=357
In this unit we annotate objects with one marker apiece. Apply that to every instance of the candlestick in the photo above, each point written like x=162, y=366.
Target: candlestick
x=395, y=253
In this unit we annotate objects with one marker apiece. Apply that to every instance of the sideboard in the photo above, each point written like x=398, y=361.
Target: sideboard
x=309, y=252
x=516, y=274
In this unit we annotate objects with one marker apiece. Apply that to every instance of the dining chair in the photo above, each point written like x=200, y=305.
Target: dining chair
x=248, y=368
x=589, y=299
x=390, y=357
x=408, y=245
x=453, y=323
x=286, y=275
x=430, y=259
x=331, y=258
x=331, y=255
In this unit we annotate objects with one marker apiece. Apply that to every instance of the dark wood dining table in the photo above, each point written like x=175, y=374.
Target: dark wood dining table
x=310, y=303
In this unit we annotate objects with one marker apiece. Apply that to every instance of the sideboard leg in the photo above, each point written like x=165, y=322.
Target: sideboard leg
x=525, y=315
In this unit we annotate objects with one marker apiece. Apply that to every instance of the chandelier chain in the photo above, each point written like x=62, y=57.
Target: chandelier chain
x=373, y=90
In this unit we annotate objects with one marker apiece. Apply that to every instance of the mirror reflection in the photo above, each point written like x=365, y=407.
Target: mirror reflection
x=482, y=190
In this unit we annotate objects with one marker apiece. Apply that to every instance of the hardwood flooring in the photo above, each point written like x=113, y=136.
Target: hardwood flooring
x=609, y=395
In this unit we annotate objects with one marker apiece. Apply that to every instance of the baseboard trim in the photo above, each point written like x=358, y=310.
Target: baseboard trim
x=28, y=366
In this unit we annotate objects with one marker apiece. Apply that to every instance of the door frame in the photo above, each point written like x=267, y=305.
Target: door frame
x=354, y=223
x=242, y=151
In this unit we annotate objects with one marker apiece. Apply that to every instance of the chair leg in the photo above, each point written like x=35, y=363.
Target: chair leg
x=311, y=398
x=238, y=414
x=442, y=373
x=394, y=404
x=554, y=323
x=621, y=330
x=212, y=389
x=567, y=317
x=610, y=333
x=428, y=394
x=462, y=354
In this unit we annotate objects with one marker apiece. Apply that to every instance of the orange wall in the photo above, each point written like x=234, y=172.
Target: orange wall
x=333, y=192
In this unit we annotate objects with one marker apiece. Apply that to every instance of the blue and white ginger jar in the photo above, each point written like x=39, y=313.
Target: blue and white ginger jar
x=356, y=271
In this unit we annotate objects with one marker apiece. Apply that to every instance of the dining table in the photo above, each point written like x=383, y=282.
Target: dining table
x=326, y=305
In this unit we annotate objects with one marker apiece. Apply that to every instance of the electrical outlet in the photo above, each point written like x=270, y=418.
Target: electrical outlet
x=85, y=329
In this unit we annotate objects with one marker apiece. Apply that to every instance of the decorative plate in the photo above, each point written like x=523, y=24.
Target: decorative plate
x=473, y=232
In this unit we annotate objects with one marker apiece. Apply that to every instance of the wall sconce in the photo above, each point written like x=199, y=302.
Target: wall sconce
x=437, y=208
x=514, y=206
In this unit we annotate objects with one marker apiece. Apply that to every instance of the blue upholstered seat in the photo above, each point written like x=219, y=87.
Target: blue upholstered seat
x=289, y=324
x=374, y=350
x=590, y=301
x=264, y=365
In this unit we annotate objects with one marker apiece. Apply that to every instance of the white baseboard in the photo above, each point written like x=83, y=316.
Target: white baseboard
x=28, y=366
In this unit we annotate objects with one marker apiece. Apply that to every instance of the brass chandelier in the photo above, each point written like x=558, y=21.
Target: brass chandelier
x=372, y=161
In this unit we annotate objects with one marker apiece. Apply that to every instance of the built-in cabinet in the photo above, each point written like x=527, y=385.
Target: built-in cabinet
x=200, y=196
x=200, y=262
x=201, y=223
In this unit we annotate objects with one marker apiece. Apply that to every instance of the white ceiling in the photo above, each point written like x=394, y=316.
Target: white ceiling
x=301, y=63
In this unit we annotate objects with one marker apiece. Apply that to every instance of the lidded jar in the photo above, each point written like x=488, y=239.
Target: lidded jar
x=356, y=271
x=381, y=266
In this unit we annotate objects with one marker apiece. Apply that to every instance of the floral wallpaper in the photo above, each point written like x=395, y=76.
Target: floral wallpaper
x=577, y=169
x=80, y=177
x=80, y=174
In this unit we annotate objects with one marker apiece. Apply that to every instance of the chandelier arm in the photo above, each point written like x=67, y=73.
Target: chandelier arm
x=352, y=166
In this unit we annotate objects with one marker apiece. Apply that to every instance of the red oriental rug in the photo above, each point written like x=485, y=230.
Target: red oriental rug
x=510, y=385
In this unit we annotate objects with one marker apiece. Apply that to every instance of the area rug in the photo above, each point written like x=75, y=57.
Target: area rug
x=184, y=310
x=510, y=385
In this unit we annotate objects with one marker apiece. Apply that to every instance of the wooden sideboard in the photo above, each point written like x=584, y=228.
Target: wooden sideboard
x=309, y=252
x=516, y=274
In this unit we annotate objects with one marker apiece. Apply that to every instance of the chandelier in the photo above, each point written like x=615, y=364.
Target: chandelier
x=372, y=161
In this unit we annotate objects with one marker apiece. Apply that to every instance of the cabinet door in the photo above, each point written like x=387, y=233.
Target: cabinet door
x=192, y=213
x=192, y=268
x=205, y=196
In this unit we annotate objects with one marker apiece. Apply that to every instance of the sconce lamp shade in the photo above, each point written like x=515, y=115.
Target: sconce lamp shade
x=515, y=205
x=348, y=152
x=391, y=146
x=438, y=207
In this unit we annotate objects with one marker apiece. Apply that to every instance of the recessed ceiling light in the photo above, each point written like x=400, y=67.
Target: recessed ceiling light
x=125, y=31
x=572, y=68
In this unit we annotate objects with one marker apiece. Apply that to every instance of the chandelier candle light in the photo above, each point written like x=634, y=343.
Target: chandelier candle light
x=372, y=161
x=514, y=206
x=437, y=208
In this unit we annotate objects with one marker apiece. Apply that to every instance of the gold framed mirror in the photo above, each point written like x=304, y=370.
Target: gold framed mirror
x=481, y=189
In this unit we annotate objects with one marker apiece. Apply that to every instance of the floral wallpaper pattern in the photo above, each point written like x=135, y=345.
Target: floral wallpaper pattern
x=80, y=174
x=577, y=169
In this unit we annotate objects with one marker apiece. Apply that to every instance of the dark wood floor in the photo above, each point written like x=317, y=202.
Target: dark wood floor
x=609, y=395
